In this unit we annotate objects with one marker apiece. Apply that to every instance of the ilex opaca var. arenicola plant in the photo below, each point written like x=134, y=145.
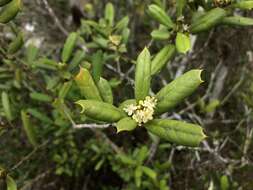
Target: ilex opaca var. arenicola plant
x=144, y=110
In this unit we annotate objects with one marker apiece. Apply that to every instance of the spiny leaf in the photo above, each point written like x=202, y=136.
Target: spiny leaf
x=177, y=132
x=176, y=91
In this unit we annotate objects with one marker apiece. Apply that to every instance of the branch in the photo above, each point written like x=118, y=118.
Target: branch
x=55, y=18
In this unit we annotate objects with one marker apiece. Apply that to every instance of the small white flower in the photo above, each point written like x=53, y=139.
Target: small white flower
x=143, y=112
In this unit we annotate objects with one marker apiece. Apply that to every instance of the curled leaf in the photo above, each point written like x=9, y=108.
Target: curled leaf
x=87, y=85
x=126, y=124
x=100, y=110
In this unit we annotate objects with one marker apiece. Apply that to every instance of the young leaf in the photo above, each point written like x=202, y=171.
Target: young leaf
x=162, y=58
x=87, y=86
x=183, y=42
x=142, y=75
x=176, y=91
x=69, y=46
x=160, y=15
x=100, y=110
x=11, y=184
x=126, y=124
x=29, y=128
x=105, y=90
x=177, y=132
x=122, y=24
x=109, y=13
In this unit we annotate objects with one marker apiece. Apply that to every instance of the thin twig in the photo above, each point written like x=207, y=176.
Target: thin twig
x=55, y=18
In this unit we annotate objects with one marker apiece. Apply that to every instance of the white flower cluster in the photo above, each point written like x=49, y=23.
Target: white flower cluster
x=143, y=112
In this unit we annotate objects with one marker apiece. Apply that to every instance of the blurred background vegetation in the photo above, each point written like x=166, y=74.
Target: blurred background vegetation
x=67, y=158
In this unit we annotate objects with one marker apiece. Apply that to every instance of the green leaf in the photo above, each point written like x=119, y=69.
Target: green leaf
x=160, y=15
x=211, y=107
x=11, y=184
x=183, y=42
x=6, y=106
x=4, y=2
x=101, y=111
x=176, y=91
x=31, y=54
x=142, y=155
x=29, y=128
x=180, y=5
x=109, y=13
x=16, y=44
x=65, y=89
x=97, y=65
x=137, y=176
x=207, y=20
x=39, y=115
x=77, y=59
x=162, y=58
x=10, y=10
x=177, y=132
x=149, y=172
x=105, y=90
x=126, y=124
x=86, y=85
x=142, y=75
x=125, y=159
x=237, y=21
x=40, y=97
x=224, y=183
x=247, y=5
x=122, y=24
x=161, y=34
x=69, y=46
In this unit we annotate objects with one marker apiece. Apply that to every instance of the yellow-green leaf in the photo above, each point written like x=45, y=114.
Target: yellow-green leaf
x=183, y=42
x=126, y=124
x=11, y=184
